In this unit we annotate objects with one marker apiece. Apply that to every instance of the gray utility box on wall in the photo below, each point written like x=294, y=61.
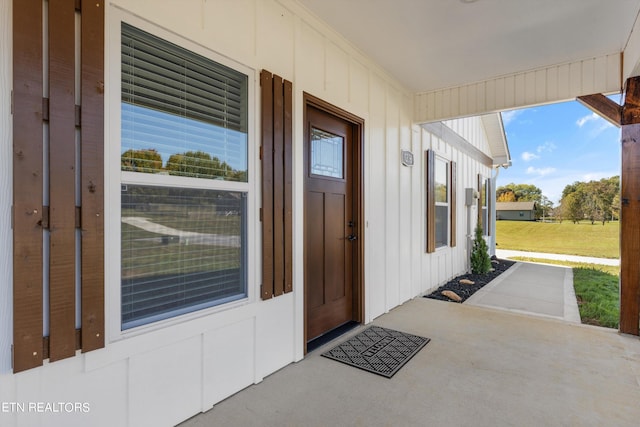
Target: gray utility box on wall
x=470, y=196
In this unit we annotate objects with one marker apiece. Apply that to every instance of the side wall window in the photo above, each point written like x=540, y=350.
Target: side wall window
x=440, y=201
x=184, y=180
x=484, y=204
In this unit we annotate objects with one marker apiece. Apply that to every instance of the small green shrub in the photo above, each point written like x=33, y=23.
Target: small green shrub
x=480, y=260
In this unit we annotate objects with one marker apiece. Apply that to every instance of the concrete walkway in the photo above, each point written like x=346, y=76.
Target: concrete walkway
x=508, y=253
x=483, y=367
x=536, y=289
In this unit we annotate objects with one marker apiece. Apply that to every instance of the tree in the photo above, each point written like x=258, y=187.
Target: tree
x=197, y=164
x=200, y=164
x=146, y=160
x=572, y=208
x=526, y=192
x=595, y=198
x=507, y=196
x=546, y=206
x=480, y=261
x=615, y=207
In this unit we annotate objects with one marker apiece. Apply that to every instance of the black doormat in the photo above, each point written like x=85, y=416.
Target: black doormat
x=378, y=350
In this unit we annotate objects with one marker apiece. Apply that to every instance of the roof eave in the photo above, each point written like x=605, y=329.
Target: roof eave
x=497, y=138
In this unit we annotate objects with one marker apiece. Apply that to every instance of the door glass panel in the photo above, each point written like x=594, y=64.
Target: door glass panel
x=327, y=154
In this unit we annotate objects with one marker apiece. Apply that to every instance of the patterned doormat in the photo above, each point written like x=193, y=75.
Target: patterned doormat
x=378, y=350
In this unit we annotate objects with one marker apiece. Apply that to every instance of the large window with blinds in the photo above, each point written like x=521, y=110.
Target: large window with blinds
x=184, y=180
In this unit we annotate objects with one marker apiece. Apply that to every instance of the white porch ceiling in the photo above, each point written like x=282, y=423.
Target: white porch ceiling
x=434, y=44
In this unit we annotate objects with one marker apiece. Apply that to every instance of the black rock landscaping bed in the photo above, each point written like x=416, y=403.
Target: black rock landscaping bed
x=480, y=280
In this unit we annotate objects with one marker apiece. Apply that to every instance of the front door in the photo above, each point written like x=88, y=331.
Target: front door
x=329, y=240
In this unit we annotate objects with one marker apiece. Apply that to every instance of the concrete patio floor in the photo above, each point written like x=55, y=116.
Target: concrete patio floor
x=483, y=367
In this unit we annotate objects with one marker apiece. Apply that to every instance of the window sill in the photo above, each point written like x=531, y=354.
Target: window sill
x=172, y=322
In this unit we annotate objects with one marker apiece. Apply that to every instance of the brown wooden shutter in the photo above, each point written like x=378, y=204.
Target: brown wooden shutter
x=430, y=166
x=277, y=176
x=61, y=216
x=479, y=187
x=487, y=193
x=453, y=182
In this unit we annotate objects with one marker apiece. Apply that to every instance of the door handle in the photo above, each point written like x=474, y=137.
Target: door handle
x=352, y=237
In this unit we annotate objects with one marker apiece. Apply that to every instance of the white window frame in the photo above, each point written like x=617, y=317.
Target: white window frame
x=114, y=177
x=447, y=164
x=483, y=205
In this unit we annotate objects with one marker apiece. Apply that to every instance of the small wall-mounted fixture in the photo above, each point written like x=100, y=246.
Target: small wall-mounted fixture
x=470, y=196
x=407, y=157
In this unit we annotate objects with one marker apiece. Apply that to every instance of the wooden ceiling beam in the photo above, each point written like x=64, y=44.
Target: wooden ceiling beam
x=603, y=106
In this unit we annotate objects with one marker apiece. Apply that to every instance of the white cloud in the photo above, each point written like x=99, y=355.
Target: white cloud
x=597, y=176
x=527, y=156
x=546, y=147
x=604, y=126
x=593, y=117
x=509, y=116
x=540, y=171
x=588, y=118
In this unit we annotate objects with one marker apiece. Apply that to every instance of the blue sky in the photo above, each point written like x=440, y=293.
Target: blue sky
x=555, y=145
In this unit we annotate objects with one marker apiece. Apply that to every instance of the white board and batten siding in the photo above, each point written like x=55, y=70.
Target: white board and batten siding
x=446, y=263
x=166, y=374
x=545, y=85
x=6, y=170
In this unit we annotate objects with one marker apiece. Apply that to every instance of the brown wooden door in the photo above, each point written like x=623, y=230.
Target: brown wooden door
x=329, y=232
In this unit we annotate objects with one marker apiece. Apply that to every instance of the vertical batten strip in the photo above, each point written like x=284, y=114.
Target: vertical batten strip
x=266, y=79
x=278, y=183
x=62, y=179
x=92, y=175
x=27, y=184
x=288, y=186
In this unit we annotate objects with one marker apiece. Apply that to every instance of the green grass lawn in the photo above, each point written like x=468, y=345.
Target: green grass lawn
x=583, y=239
x=597, y=291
